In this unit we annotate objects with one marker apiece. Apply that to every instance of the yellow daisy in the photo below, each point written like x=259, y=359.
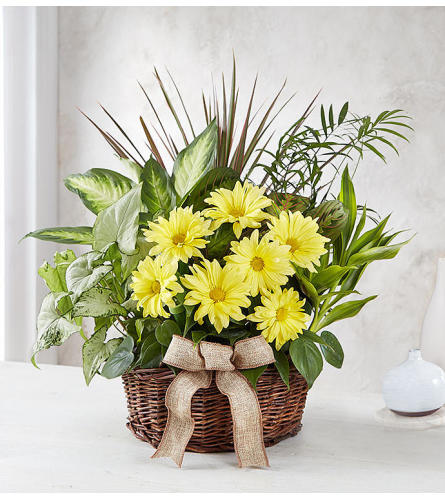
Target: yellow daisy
x=181, y=236
x=301, y=233
x=242, y=207
x=154, y=285
x=219, y=293
x=263, y=265
x=281, y=317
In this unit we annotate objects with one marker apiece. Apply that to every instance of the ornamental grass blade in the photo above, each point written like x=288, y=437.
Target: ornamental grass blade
x=152, y=144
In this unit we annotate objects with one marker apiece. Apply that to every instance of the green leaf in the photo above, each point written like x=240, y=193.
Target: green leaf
x=151, y=355
x=343, y=113
x=98, y=188
x=329, y=277
x=120, y=360
x=130, y=262
x=282, y=366
x=119, y=223
x=165, y=332
x=95, y=352
x=234, y=335
x=158, y=193
x=347, y=197
x=81, y=275
x=345, y=310
x=220, y=177
x=81, y=235
x=306, y=358
x=313, y=337
x=197, y=336
x=368, y=237
x=377, y=253
x=253, y=374
x=96, y=303
x=333, y=353
x=220, y=240
x=306, y=286
x=195, y=160
x=53, y=329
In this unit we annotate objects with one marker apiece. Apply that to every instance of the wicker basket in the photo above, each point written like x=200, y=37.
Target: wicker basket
x=282, y=410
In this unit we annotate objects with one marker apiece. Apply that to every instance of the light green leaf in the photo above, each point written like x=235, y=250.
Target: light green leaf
x=253, y=374
x=96, y=303
x=165, y=332
x=345, y=310
x=95, y=352
x=55, y=276
x=133, y=170
x=158, y=193
x=81, y=275
x=306, y=358
x=120, y=360
x=282, y=366
x=53, y=329
x=119, y=223
x=333, y=352
x=80, y=235
x=98, y=188
x=195, y=160
x=378, y=253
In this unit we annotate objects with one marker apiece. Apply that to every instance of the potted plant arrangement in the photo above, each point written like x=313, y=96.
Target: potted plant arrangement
x=205, y=283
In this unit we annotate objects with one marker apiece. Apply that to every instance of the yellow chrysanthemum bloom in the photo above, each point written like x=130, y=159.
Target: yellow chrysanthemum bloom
x=242, y=207
x=154, y=285
x=181, y=236
x=219, y=293
x=281, y=317
x=263, y=265
x=301, y=234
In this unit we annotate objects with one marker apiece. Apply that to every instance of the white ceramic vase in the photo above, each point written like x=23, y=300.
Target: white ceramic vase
x=415, y=388
x=433, y=330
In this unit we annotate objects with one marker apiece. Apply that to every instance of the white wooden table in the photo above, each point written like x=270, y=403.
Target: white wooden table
x=58, y=435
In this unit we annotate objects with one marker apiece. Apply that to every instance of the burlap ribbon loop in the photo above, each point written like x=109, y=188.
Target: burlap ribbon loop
x=198, y=363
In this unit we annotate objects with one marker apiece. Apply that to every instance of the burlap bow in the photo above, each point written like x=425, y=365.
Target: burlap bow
x=198, y=364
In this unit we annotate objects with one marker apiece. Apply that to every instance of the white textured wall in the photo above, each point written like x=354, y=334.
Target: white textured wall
x=377, y=58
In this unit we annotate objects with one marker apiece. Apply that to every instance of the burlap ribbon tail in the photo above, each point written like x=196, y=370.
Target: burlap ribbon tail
x=198, y=363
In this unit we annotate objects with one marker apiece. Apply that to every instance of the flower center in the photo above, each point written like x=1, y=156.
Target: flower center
x=155, y=287
x=236, y=212
x=281, y=314
x=178, y=239
x=294, y=245
x=217, y=295
x=257, y=264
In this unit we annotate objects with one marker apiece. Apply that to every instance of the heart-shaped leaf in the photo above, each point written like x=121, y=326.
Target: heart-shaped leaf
x=81, y=275
x=333, y=352
x=96, y=303
x=165, y=332
x=120, y=360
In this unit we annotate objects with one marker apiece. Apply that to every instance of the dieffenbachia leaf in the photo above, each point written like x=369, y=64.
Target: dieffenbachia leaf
x=133, y=170
x=221, y=177
x=195, y=160
x=345, y=310
x=52, y=327
x=81, y=275
x=158, y=193
x=120, y=360
x=80, y=235
x=96, y=303
x=95, y=352
x=306, y=358
x=119, y=223
x=98, y=188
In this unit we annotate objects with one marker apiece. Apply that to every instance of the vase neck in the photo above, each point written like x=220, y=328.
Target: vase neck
x=414, y=354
